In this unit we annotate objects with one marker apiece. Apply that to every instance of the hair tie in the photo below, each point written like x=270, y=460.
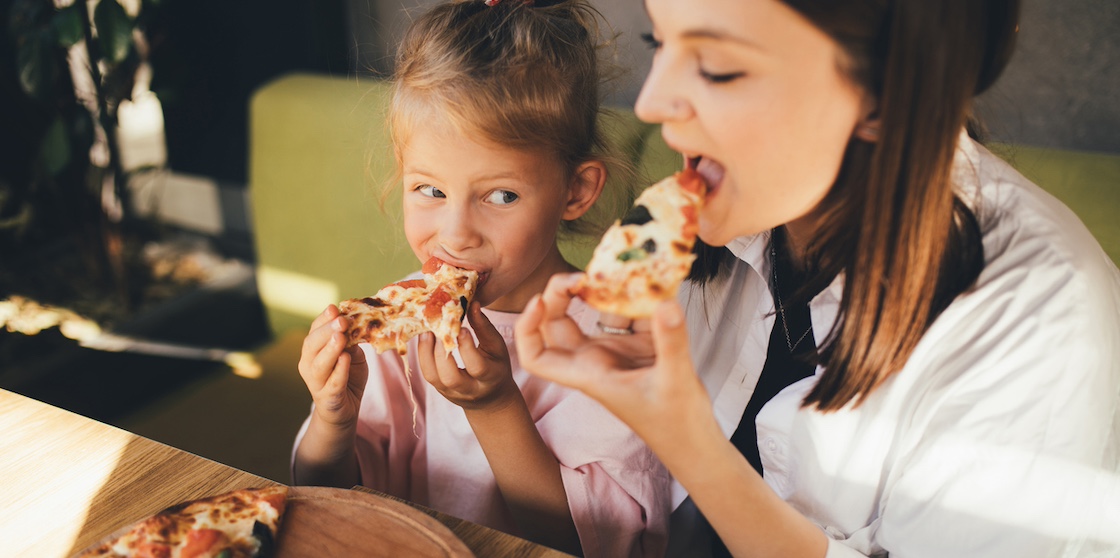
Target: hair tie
x=492, y=3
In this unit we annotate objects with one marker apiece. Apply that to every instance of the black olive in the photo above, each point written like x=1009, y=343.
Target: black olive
x=638, y=215
x=263, y=534
x=464, y=304
x=649, y=246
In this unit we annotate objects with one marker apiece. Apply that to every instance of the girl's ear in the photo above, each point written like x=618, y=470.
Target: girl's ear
x=586, y=186
x=868, y=127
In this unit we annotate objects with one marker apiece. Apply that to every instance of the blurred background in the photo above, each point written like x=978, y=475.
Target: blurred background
x=126, y=217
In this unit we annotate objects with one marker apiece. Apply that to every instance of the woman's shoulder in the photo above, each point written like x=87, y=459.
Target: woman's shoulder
x=1022, y=224
x=1048, y=299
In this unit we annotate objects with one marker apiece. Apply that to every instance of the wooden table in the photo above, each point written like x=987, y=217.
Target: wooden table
x=67, y=481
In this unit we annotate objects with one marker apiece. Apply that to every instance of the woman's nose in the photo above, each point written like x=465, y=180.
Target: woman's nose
x=661, y=99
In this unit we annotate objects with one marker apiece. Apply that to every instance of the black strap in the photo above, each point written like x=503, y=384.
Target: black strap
x=783, y=366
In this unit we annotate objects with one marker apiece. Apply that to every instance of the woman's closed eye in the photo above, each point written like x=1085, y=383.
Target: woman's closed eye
x=652, y=42
x=430, y=191
x=501, y=197
x=720, y=77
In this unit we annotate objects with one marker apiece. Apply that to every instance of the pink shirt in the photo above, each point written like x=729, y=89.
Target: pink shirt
x=617, y=489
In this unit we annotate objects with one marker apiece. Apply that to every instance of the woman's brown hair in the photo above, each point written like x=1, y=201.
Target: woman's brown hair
x=524, y=75
x=892, y=223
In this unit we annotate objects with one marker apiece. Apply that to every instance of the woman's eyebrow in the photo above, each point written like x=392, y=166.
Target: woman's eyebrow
x=720, y=35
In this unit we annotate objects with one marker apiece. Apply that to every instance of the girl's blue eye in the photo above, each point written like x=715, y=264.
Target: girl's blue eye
x=650, y=41
x=501, y=197
x=721, y=78
x=430, y=191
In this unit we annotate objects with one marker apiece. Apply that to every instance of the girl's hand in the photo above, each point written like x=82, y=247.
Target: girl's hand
x=646, y=379
x=335, y=376
x=487, y=382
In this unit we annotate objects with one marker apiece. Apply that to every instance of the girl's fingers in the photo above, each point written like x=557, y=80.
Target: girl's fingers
x=340, y=374
x=425, y=346
x=490, y=341
x=474, y=358
x=331, y=311
x=318, y=337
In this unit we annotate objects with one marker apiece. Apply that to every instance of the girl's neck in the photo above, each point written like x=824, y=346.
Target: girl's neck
x=515, y=301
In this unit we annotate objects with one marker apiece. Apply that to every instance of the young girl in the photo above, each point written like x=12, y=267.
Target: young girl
x=494, y=120
x=913, y=350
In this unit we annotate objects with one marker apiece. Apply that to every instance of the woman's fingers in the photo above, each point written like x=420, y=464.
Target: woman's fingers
x=670, y=337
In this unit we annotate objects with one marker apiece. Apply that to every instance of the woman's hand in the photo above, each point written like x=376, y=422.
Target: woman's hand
x=487, y=381
x=335, y=375
x=646, y=379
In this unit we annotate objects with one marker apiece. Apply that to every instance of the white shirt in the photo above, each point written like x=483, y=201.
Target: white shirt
x=1000, y=436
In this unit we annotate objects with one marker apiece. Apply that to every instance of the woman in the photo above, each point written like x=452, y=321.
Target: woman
x=916, y=348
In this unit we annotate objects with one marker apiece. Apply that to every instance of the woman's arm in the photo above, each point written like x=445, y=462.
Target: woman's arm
x=667, y=406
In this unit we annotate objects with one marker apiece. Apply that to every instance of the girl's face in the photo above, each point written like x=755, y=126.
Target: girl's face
x=755, y=92
x=484, y=207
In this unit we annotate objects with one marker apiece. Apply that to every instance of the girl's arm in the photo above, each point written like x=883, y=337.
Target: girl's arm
x=666, y=404
x=336, y=377
x=525, y=469
x=326, y=456
x=527, y=473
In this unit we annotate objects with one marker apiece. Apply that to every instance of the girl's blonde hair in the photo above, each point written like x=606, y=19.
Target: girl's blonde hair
x=519, y=74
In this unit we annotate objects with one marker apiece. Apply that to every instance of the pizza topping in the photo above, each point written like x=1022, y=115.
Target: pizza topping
x=400, y=311
x=239, y=524
x=638, y=215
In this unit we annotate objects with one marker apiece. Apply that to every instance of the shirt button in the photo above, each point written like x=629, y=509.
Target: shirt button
x=772, y=445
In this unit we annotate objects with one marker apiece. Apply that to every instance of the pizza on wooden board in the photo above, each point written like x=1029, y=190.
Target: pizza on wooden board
x=240, y=524
x=642, y=258
x=401, y=311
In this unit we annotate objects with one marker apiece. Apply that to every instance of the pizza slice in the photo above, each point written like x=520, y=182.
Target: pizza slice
x=642, y=258
x=400, y=311
x=240, y=524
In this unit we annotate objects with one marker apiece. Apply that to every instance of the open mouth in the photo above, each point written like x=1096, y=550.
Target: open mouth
x=710, y=169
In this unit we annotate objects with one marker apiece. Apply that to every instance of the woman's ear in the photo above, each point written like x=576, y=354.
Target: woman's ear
x=585, y=188
x=869, y=125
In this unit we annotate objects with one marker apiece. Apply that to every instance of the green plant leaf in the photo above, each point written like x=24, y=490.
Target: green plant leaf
x=67, y=24
x=114, y=30
x=54, y=150
x=38, y=68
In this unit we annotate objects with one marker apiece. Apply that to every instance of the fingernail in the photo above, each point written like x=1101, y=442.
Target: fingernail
x=336, y=324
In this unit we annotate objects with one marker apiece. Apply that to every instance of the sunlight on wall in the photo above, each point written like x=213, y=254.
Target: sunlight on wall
x=294, y=292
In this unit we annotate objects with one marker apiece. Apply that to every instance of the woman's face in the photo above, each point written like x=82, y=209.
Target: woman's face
x=755, y=93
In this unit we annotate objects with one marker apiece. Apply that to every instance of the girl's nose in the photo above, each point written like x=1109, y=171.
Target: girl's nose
x=459, y=231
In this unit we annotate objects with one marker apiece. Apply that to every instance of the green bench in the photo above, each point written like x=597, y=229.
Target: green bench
x=319, y=154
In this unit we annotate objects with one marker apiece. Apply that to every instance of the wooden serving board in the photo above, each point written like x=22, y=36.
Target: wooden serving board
x=347, y=523
x=338, y=522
